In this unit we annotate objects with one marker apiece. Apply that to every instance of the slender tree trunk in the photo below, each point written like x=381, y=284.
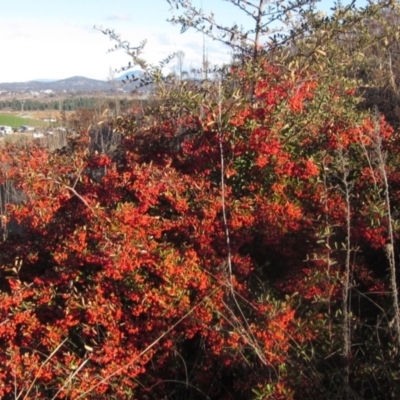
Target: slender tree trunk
x=258, y=29
x=389, y=250
x=346, y=328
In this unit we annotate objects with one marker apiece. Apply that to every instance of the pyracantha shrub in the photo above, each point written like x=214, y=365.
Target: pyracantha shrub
x=119, y=281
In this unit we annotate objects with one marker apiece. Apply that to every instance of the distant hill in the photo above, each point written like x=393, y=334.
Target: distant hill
x=129, y=75
x=44, y=80
x=75, y=84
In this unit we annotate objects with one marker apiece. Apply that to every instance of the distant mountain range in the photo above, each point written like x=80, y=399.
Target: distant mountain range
x=76, y=84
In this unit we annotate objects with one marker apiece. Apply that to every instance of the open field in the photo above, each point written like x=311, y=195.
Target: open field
x=16, y=121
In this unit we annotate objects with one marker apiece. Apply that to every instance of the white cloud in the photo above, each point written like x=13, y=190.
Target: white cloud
x=119, y=17
x=34, y=50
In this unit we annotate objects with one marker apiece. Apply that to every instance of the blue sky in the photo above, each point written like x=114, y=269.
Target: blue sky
x=56, y=39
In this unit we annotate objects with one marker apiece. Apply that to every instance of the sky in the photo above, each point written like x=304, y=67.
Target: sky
x=57, y=39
